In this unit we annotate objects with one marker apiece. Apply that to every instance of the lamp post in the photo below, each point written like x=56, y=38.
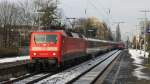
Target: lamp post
x=141, y=40
x=137, y=37
x=127, y=40
x=3, y=41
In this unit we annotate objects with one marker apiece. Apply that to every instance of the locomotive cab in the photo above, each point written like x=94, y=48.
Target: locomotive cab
x=44, y=47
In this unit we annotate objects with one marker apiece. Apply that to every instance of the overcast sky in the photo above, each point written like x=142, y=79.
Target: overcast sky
x=121, y=10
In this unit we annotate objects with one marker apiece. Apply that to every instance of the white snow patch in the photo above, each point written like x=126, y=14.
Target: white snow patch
x=14, y=59
x=138, y=61
x=12, y=78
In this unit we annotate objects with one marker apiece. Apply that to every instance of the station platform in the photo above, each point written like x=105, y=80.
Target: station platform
x=13, y=61
x=130, y=68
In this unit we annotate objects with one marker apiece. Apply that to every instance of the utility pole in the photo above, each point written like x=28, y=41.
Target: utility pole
x=86, y=16
x=145, y=24
x=128, y=41
x=56, y=3
x=141, y=33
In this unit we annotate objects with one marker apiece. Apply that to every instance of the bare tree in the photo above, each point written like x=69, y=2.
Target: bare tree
x=8, y=17
x=92, y=27
x=25, y=13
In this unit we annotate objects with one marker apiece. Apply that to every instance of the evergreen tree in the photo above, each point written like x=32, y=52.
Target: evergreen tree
x=49, y=17
x=118, y=34
x=48, y=12
x=110, y=36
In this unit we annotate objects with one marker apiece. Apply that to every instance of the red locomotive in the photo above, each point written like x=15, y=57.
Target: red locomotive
x=57, y=47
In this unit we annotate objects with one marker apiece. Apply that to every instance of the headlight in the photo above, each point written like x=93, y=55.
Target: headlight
x=34, y=54
x=54, y=54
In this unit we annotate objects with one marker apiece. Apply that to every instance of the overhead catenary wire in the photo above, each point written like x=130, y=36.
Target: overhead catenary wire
x=94, y=6
x=98, y=10
x=66, y=20
x=101, y=6
x=108, y=11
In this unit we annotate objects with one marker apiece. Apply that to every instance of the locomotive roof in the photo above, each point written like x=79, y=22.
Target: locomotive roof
x=61, y=31
x=76, y=35
x=64, y=33
x=98, y=40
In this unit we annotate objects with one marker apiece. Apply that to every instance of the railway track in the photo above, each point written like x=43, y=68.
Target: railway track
x=17, y=79
x=74, y=74
x=86, y=72
x=28, y=79
x=33, y=79
x=96, y=72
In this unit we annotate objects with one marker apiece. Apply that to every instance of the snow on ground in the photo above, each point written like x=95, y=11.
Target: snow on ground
x=137, y=55
x=14, y=59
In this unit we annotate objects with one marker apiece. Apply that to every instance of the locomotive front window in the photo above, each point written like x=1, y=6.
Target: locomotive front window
x=45, y=38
